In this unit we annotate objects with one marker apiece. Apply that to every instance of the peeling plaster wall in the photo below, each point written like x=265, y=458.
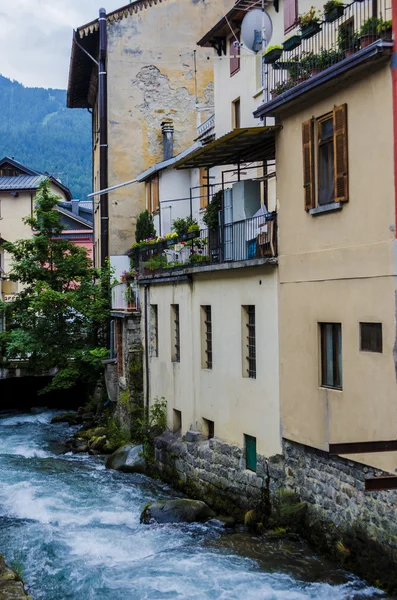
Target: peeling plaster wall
x=151, y=77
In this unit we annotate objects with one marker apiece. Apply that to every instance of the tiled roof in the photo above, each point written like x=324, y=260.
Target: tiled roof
x=22, y=182
x=86, y=204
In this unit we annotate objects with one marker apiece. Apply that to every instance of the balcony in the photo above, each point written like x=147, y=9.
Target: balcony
x=234, y=243
x=346, y=37
x=125, y=297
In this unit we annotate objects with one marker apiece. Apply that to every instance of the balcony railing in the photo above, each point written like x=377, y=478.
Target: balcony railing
x=341, y=33
x=238, y=241
x=125, y=297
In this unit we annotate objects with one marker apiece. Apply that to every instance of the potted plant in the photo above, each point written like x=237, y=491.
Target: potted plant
x=310, y=23
x=369, y=31
x=281, y=87
x=272, y=54
x=348, y=41
x=292, y=42
x=182, y=227
x=333, y=9
x=385, y=30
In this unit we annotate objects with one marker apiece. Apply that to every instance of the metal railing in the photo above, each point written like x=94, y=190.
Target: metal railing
x=237, y=241
x=340, y=33
x=125, y=297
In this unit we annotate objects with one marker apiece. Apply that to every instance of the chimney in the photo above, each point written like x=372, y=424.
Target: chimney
x=75, y=207
x=167, y=128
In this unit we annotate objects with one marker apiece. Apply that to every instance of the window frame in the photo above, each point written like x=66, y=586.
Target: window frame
x=154, y=330
x=234, y=58
x=337, y=370
x=206, y=337
x=378, y=335
x=176, y=334
x=319, y=142
x=249, y=341
x=236, y=113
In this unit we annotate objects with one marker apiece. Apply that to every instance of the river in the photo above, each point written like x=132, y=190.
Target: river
x=74, y=528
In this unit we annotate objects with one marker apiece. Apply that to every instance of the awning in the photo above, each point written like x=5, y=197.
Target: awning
x=249, y=144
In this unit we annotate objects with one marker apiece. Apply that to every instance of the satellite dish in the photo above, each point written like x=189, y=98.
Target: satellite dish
x=251, y=29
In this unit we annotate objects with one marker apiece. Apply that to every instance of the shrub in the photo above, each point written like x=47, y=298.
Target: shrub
x=181, y=226
x=144, y=227
x=211, y=218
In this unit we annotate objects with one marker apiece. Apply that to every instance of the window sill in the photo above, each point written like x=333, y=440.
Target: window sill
x=325, y=208
x=258, y=92
x=329, y=387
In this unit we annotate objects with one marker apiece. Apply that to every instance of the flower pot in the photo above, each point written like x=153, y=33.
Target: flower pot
x=190, y=235
x=273, y=94
x=307, y=31
x=272, y=56
x=349, y=52
x=368, y=39
x=293, y=42
x=334, y=13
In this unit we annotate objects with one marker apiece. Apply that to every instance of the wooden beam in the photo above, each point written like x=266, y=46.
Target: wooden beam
x=363, y=447
x=375, y=484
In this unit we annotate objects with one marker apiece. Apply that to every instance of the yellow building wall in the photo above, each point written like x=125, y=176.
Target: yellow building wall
x=238, y=405
x=340, y=267
x=151, y=77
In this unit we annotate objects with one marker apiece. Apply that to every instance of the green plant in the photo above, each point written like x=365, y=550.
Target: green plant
x=384, y=26
x=348, y=39
x=181, y=225
x=194, y=227
x=328, y=6
x=211, y=216
x=270, y=48
x=319, y=61
x=157, y=262
x=370, y=26
x=198, y=258
x=17, y=564
x=144, y=227
x=281, y=87
x=310, y=18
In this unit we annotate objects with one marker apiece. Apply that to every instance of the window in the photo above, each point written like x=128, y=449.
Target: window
x=234, y=51
x=177, y=421
x=236, y=114
x=152, y=195
x=154, y=331
x=290, y=14
x=249, y=343
x=331, y=355
x=208, y=429
x=206, y=337
x=371, y=337
x=250, y=452
x=329, y=163
x=204, y=187
x=175, y=337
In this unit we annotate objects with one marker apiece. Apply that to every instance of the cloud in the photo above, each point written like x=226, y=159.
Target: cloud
x=36, y=36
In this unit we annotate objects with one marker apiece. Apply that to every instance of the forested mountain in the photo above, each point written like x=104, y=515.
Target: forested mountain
x=39, y=131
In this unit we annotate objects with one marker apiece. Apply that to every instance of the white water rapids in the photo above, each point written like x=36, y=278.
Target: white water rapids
x=74, y=528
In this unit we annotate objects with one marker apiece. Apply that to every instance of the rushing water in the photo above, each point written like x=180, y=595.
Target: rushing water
x=74, y=527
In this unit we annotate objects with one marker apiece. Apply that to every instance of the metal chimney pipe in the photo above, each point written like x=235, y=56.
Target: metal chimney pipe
x=167, y=128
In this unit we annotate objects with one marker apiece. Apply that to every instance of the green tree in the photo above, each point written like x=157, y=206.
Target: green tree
x=144, y=227
x=58, y=320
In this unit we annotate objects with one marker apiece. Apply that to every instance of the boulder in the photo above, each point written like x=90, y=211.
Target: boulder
x=97, y=443
x=70, y=418
x=11, y=585
x=128, y=459
x=181, y=510
x=80, y=449
x=37, y=410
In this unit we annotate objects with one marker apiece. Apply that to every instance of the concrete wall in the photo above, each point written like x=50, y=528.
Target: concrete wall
x=151, y=77
x=238, y=405
x=340, y=267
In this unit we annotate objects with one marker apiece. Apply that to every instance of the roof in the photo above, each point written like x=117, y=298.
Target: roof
x=232, y=19
x=21, y=182
x=82, y=84
x=74, y=217
x=243, y=145
x=166, y=163
x=18, y=165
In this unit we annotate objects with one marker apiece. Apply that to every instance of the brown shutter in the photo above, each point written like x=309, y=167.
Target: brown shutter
x=340, y=154
x=308, y=163
x=203, y=187
x=234, y=56
x=148, y=187
x=155, y=194
x=290, y=14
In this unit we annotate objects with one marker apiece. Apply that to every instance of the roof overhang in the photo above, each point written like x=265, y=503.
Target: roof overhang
x=217, y=35
x=166, y=163
x=244, y=145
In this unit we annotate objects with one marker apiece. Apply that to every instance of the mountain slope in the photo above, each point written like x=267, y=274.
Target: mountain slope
x=39, y=131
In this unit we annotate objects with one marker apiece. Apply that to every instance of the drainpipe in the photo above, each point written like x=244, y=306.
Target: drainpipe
x=103, y=136
x=146, y=298
x=394, y=92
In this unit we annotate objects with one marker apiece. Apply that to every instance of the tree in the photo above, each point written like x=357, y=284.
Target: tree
x=58, y=320
x=144, y=227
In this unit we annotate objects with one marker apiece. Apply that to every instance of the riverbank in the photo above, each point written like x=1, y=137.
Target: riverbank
x=11, y=585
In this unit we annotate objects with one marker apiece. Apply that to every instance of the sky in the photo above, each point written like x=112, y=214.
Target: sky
x=36, y=37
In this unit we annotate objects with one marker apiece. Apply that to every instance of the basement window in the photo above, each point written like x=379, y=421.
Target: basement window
x=208, y=428
x=177, y=421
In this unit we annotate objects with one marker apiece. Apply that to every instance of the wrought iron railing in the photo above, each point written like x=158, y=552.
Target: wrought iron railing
x=340, y=33
x=238, y=241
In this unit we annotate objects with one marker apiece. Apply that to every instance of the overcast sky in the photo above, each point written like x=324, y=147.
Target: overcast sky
x=36, y=35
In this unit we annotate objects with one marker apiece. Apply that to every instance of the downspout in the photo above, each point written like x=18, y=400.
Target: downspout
x=103, y=136
x=394, y=93
x=146, y=347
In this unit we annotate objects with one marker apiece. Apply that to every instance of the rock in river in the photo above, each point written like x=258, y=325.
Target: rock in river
x=11, y=586
x=127, y=458
x=181, y=510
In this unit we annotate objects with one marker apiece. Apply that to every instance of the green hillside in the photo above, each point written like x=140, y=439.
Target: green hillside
x=39, y=131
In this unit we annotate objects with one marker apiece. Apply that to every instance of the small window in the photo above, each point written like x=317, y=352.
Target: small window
x=249, y=342
x=177, y=421
x=331, y=355
x=250, y=452
x=236, y=114
x=326, y=179
x=154, y=331
x=371, y=337
x=206, y=337
x=208, y=428
x=234, y=51
x=175, y=337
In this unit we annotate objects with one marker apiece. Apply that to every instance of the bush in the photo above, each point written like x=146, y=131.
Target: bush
x=182, y=226
x=211, y=218
x=144, y=227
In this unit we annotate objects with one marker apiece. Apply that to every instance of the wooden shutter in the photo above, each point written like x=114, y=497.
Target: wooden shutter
x=203, y=187
x=155, y=194
x=149, y=195
x=234, y=56
x=340, y=154
x=290, y=14
x=308, y=163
